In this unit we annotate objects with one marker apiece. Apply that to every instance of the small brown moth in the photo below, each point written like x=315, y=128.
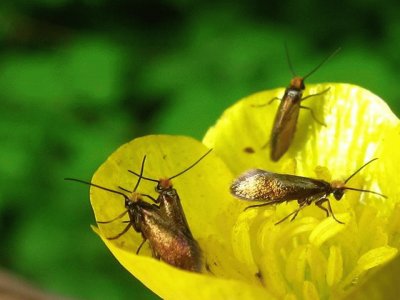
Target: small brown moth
x=167, y=240
x=168, y=199
x=272, y=188
x=286, y=117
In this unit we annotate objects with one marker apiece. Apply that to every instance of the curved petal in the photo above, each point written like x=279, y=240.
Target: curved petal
x=209, y=209
x=172, y=283
x=303, y=256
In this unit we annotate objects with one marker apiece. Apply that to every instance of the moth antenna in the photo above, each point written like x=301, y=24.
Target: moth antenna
x=362, y=167
x=192, y=165
x=180, y=173
x=289, y=60
x=321, y=63
x=143, y=177
x=141, y=173
x=124, y=189
x=98, y=186
x=367, y=191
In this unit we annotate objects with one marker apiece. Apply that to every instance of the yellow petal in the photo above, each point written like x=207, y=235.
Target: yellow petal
x=359, y=127
x=358, y=124
x=172, y=283
x=209, y=209
x=246, y=255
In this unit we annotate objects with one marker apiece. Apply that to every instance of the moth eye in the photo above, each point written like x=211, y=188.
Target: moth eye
x=338, y=194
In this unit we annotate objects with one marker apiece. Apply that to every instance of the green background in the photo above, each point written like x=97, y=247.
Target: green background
x=80, y=78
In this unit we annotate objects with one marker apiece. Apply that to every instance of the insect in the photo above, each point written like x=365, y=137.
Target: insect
x=168, y=199
x=287, y=115
x=273, y=188
x=167, y=240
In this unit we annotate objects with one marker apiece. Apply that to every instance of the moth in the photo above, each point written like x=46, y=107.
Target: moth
x=286, y=117
x=167, y=240
x=273, y=188
x=169, y=200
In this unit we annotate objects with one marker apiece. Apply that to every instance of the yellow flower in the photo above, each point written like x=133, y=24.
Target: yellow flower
x=245, y=255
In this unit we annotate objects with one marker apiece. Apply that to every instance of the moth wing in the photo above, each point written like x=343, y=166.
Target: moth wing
x=284, y=128
x=260, y=185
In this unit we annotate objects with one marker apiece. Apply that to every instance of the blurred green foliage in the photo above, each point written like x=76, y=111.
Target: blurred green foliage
x=80, y=78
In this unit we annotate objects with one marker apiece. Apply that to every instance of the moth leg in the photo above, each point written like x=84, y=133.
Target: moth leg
x=268, y=103
x=140, y=246
x=328, y=211
x=257, y=205
x=294, y=213
x=116, y=218
x=155, y=254
x=312, y=115
x=121, y=233
x=151, y=198
x=321, y=201
x=207, y=267
x=273, y=99
x=317, y=94
x=265, y=145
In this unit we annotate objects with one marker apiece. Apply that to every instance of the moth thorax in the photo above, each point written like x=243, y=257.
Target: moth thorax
x=164, y=184
x=297, y=83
